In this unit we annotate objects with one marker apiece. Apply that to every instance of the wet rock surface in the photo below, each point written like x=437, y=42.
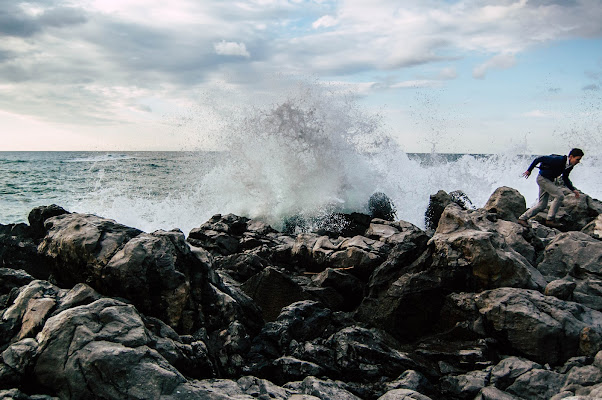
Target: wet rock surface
x=478, y=307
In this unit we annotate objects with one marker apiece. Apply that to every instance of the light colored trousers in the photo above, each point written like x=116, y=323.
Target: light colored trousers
x=547, y=188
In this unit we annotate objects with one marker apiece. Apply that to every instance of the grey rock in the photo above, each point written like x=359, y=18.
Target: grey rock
x=537, y=384
x=465, y=386
x=16, y=394
x=25, y=317
x=88, y=351
x=403, y=394
x=240, y=266
x=469, y=239
x=19, y=355
x=594, y=228
x=364, y=354
x=493, y=393
x=439, y=201
x=348, y=286
x=543, y=328
x=510, y=368
x=272, y=289
x=598, y=360
x=561, y=288
x=412, y=380
x=326, y=389
x=507, y=203
x=576, y=256
x=262, y=388
x=81, y=245
x=563, y=395
x=583, y=376
x=576, y=213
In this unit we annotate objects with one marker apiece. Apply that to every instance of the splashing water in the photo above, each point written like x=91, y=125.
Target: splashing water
x=307, y=155
x=314, y=153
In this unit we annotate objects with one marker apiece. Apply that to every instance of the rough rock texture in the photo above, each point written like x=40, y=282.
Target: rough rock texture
x=479, y=307
x=439, y=201
x=507, y=203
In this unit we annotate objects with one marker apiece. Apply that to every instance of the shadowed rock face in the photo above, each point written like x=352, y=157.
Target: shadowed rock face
x=478, y=308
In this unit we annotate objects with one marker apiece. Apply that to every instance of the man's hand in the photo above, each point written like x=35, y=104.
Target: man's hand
x=576, y=193
x=526, y=174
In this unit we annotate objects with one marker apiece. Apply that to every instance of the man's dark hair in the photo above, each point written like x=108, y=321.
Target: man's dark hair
x=576, y=152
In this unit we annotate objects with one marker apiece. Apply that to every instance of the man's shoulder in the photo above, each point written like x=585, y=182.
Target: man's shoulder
x=555, y=158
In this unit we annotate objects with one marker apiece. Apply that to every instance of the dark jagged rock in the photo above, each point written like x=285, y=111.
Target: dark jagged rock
x=349, y=287
x=381, y=206
x=527, y=323
x=272, y=290
x=480, y=308
x=19, y=250
x=10, y=280
x=574, y=258
x=80, y=245
x=333, y=224
x=38, y=216
x=439, y=201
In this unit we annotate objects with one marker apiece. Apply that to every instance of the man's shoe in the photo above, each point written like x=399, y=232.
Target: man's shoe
x=553, y=224
x=523, y=222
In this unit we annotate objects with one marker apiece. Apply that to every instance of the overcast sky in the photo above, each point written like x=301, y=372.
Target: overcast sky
x=463, y=76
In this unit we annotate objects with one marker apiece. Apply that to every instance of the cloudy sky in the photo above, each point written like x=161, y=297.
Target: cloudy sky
x=460, y=75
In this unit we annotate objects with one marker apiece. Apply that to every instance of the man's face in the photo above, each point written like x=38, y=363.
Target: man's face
x=574, y=160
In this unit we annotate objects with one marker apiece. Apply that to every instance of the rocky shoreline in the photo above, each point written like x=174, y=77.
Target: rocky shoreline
x=474, y=307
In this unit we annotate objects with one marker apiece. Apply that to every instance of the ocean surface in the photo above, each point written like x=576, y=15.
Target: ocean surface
x=166, y=190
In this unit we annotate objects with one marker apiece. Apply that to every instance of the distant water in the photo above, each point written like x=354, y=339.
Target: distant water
x=166, y=190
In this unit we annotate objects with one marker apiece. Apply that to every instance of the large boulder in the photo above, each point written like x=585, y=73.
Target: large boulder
x=576, y=213
x=272, y=289
x=229, y=234
x=90, y=352
x=310, y=339
x=471, y=239
x=542, y=328
x=80, y=245
x=507, y=203
x=439, y=201
x=79, y=345
x=381, y=206
x=574, y=258
x=537, y=384
x=160, y=274
x=466, y=253
x=359, y=255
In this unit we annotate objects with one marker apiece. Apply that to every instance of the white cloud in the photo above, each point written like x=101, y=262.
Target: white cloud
x=326, y=21
x=224, y=48
x=501, y=61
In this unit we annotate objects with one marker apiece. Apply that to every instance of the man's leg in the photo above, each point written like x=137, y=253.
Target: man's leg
x=543, y=200
x=556, y=192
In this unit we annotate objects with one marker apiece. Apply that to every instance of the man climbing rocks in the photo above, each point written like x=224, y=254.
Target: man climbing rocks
x=550, y=168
